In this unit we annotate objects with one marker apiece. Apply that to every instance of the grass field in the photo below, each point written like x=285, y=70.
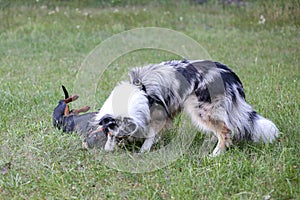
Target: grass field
x=42, y=46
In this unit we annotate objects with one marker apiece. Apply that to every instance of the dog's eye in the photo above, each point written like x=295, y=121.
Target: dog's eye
x=137, y=82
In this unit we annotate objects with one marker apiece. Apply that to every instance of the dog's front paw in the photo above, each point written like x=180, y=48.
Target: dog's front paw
x=145, y=149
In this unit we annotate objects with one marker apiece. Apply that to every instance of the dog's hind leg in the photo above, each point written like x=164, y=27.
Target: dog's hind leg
x=205, y=118
x=224, y=137
x=221, y=131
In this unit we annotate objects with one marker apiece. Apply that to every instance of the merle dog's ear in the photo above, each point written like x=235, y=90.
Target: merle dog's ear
x=130, y=124
x=108, y=121
x=127, y=127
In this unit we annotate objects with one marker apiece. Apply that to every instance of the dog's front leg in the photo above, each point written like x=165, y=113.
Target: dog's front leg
x=150, y=138
x=110, y=143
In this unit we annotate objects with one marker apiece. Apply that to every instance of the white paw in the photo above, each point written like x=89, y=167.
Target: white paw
x=110, y=144
x=147, y=145
x=145, y=149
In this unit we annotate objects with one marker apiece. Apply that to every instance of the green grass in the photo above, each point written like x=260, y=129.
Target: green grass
x=42, y=46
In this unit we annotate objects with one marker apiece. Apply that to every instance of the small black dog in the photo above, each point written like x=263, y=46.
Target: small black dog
x=71, y=121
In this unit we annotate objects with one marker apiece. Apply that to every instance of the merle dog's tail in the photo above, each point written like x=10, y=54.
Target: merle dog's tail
x=264, y=130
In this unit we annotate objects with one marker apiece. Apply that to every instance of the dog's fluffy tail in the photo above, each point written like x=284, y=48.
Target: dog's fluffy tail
x=264, y=130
